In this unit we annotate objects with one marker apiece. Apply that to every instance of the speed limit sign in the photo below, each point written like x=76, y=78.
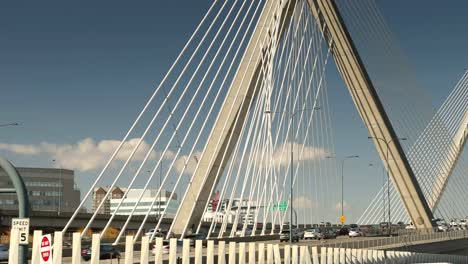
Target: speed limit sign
x=22, y=224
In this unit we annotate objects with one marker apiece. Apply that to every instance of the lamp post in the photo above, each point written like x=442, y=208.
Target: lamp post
x=291, y=182
x=387, y=144
x=383, y=193
x=342, y=180
x=60, y=187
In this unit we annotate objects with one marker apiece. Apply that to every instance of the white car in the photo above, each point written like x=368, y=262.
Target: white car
x=442, y=227
x=3, y=252
x=463, y=224
x=355, y=232
x=312, y=233
x=166, y=247
x=248, y=232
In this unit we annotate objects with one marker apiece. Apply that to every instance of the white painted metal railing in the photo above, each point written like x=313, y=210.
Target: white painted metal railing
x=222, y=252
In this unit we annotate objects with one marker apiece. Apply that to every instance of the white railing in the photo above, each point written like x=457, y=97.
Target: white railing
x=331, y=251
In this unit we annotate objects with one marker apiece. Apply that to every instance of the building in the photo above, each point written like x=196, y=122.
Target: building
x=48, y=190
x=148, y=201
x=99, y=194
x=247, y=211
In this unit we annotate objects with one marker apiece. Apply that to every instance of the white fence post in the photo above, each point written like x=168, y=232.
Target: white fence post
x=305, y=255
x=14, y=247
x=294, y=254
x=323, y=255
x=252, y=250
x=76, y=248
x=173, y=251
x=277, y=254
x=144, y=257
x=57, y=250
x=232, y=252
x=129, y=250
x=269, y=255
x=330, y=255
x=35, y=258
x=242, y=253
x=353, y=255
x=158, y=257
x=221, y=252
x=315, y=258
x=287, y=254
x=210, y=252
x=261, y=253
x=342, y=256
x=198, y=251
x=186, y=251
x=95, y=249
x=336, y=256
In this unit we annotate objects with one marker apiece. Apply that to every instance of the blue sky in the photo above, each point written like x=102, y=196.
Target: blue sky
x=70, y=71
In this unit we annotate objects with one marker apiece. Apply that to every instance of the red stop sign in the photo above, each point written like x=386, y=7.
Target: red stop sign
x=45, y=248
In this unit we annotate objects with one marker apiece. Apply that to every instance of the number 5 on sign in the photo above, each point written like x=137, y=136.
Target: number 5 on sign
x=22, y=224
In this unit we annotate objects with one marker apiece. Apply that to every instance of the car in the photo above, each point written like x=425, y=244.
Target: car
x=454, y=224
x=247, y=232
x=194, y=237
x=442, y=227
x=344, y=231
x=284, y=236
x=327, y=234
x=166, y=247
x=314, y=233
x=300, y=233
x=355, y=232
x=463, y=224
x=3, y=252
x=106, y=251
x=150, y=233
x=353, y=226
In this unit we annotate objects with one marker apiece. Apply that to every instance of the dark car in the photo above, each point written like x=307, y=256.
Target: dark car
x=344, y=231
x=327, y=234
x=105, y=252
x=194, y=237
x=284, y=236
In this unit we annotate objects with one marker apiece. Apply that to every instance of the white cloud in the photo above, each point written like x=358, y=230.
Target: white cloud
x=281, y=155
x=303, y=202
x=190, y=161
x=346, y=207
x=87, y=154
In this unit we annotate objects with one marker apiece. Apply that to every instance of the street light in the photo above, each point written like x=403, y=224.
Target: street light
x=60, y=187
x=342, y=180
x=383, y=193
x=9, y=124
x=387, y=144
x=291, y=208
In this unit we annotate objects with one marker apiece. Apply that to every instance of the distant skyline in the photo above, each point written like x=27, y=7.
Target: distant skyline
x=75, y=76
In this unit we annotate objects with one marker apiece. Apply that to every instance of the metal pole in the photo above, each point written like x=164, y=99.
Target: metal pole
x=342, y=187
x=389, y=225
x=60, y=190
x=291, y=180
x=23, y=202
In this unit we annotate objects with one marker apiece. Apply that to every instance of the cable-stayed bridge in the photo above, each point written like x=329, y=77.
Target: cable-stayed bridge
x=240, y=128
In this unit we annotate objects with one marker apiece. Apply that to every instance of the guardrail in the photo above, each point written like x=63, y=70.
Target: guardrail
x=370, y=250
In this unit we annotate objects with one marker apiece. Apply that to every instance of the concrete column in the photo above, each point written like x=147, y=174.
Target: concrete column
x=226, y=130
x=371, y=110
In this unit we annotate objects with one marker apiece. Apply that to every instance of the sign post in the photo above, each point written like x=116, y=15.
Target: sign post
x=22, y=224
x=46, y=249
